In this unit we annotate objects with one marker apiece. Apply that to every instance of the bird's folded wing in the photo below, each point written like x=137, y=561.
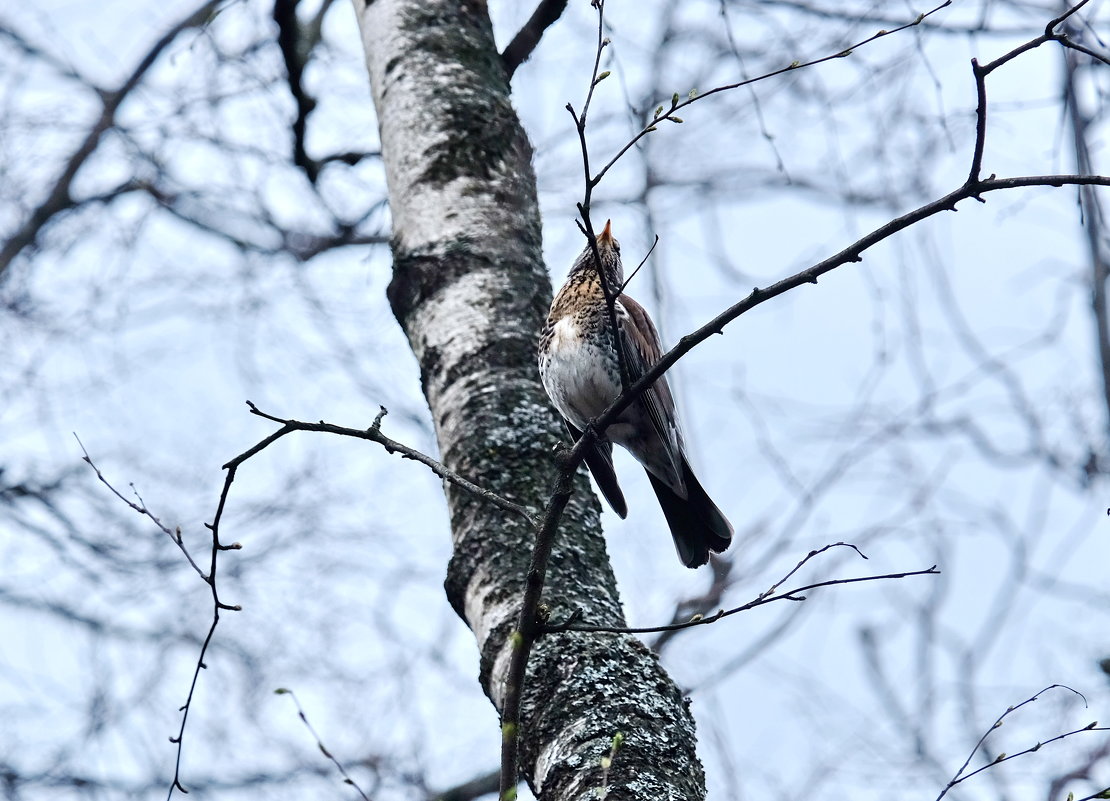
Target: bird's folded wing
x=642, y=350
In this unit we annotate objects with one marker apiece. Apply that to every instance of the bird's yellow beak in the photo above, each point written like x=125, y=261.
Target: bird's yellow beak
x=606, y=235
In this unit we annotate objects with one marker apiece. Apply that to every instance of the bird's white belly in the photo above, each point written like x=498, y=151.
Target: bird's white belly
x=578, y=375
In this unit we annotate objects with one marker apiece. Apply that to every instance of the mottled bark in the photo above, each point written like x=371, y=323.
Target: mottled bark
x=470, y=290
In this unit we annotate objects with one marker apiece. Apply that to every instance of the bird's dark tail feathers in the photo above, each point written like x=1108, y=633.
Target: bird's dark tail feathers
x=696, y=523
x=599, y=459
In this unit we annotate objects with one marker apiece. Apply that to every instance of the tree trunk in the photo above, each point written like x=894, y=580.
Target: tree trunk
x=470, y=290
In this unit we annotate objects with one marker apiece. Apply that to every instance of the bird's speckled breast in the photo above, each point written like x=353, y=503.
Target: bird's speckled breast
x=580, y=375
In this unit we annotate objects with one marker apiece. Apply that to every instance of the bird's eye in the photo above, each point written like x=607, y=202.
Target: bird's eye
x=616, y=246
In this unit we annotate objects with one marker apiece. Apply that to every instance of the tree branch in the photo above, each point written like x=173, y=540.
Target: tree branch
x=762, y=600
x=141, y=508
x=529, y=626
x=320, y=743
x=374, y=434
x=850, y=254
x=960, y=776
x=294, y=54
x=974, y=187
x=586, y=225
x=520, y=48
x=668, y=114
x=470, y=790
x=59, y=199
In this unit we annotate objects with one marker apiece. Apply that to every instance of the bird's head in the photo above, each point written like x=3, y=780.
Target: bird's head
x=609, y=249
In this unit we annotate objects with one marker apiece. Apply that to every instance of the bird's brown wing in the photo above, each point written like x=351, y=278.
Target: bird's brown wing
x=696, y=524
x=642, y=350
x=599, y=459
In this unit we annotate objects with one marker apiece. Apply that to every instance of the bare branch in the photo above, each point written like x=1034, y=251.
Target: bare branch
x=209, y=579
x=850, y=254
x=59, y=199
x=295, y=55
x=520, y=48
x=528, y=624
x=586, y=225
x=643, y=261
x=722, y=581
x=470, y=790
x=567, y=462
x=141, y=508
x=374, y=434
x=768, y=597
x=320, y=743
x=668, y=114
x=960, y=776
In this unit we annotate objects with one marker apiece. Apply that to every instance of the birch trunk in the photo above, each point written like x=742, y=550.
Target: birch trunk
x=470, y=290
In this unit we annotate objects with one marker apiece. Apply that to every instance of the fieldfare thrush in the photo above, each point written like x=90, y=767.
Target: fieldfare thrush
x=580, y=370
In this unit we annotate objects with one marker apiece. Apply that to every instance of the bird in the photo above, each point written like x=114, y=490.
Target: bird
x=580, y=371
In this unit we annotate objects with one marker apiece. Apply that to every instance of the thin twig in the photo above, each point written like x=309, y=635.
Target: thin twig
x=762, y=600
x=217, y=607
x=586, y=225
x=960, y=776
x=643, y=261
x=677, y=104
x=141, y=508
x=320, y=743
x=721, y=581
x=209, y=579
x=374, y=434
